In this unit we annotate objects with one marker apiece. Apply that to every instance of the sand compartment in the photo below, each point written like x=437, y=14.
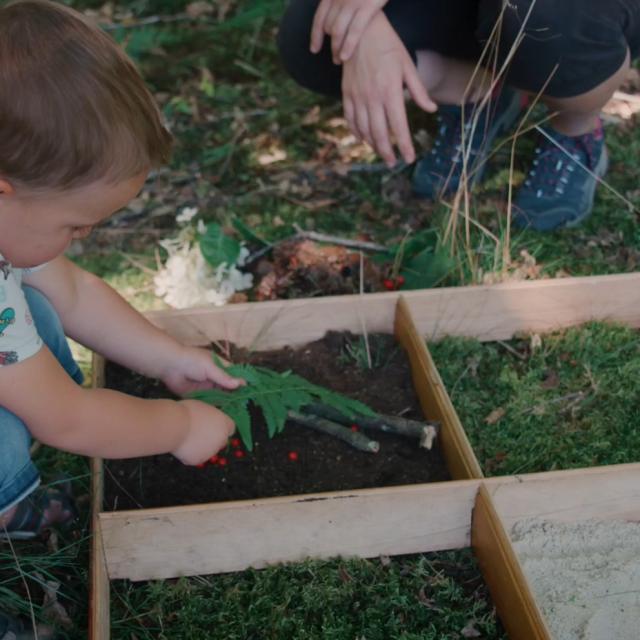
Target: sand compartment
x=585, y=575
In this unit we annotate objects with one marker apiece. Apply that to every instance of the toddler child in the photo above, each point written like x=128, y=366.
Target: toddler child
x=79, y=133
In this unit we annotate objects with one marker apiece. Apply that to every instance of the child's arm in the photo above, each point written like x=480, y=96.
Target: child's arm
x=95, y=315
x=106, y=423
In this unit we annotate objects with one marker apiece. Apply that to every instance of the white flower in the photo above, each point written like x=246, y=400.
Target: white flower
x=188, y=280
x=201, y=227
x=187, y=214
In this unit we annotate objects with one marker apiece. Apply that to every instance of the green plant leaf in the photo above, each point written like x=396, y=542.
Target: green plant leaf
x=242, y=418
x=426, y=269
x=247, y=233
x=212, y=156
x=275, y=394
x=217, y=247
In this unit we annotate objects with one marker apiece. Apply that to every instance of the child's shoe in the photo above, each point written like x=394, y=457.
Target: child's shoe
x=439, y=172
x=12, y=628
x=45, y=507
x=558, y=191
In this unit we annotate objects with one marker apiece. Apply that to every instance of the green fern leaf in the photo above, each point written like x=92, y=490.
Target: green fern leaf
x=275, y=394
x=242, y=418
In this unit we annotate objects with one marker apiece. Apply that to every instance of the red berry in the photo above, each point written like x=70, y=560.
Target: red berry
x=214, y=459
x=238, y=453
x=293, y=456
x=200, y=466
x=355, y=427
x=389, y=284
x=399, y=281
x=235, y=442
x=222, y=462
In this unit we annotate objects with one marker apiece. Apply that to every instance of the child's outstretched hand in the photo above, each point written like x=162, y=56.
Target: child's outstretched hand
x=208, y=430
x=194, y=369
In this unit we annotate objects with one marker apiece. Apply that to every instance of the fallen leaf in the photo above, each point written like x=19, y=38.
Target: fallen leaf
x=470, y=631
x=312, y=116
x=427, y=602
x=344, y=574
x=199, y=8
x=385, y=561
x=551, y=380
x=536, y=342
x=276, y=155
x=52, y=610
x=496, y=415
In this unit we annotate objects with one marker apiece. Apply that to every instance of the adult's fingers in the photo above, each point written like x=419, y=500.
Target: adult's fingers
x=399, y=125
x=350, y=117
x=318, y=26
x=356, y=29
x=362, y=122
x=380, y=133
x=417, y=90
x=339, y=29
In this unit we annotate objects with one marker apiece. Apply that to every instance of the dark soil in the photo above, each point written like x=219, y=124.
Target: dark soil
x=323, y=464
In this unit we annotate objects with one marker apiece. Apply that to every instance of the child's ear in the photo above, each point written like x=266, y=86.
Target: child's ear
x=6, y=188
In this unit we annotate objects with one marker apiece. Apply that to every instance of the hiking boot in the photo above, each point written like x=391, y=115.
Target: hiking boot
x=439, y=172
x=559, y=191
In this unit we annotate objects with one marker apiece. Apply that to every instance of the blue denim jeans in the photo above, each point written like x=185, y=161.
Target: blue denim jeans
x=18, y=475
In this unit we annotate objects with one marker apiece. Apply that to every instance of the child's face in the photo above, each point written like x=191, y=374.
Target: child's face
x=37, y=227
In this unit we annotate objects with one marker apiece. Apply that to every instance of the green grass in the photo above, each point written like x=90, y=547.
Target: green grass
x=25, y=567
x=573, y=402
x=429, y=597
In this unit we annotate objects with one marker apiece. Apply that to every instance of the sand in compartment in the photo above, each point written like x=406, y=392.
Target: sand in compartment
x=585, y=575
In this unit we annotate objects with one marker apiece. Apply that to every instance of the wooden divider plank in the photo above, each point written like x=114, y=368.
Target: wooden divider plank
x=503, y=574
x=606, y=493
x=435, y=401
x=232, y=536
x=99, y=588
x=485, y=312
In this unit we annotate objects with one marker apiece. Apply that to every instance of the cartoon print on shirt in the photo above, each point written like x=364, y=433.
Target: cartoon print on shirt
x=5, y=267
x=7, y=317
x=8, y=357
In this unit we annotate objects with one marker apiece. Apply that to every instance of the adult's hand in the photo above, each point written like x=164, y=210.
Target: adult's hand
x=373, y=82
x=344, y=21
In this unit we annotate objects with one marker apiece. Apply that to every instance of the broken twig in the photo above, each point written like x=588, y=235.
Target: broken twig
x=354, y=438
x=426, y=432
x=342, y=242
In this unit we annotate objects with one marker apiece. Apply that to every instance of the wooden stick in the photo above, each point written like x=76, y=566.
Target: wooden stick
x=362, y=245
x=426, y=432
x=354, y=438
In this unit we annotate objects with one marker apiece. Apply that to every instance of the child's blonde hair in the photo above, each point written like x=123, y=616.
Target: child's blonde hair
x=73, y=108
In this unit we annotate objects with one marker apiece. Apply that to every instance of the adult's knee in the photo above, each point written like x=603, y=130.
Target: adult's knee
x=312, y=71
x=555, y=48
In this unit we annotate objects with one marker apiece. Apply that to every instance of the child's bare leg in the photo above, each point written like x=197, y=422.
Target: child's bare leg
x=579, y=114
x=451, y=81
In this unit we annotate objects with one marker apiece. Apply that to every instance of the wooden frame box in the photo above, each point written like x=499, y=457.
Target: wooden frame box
x=466, y=511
